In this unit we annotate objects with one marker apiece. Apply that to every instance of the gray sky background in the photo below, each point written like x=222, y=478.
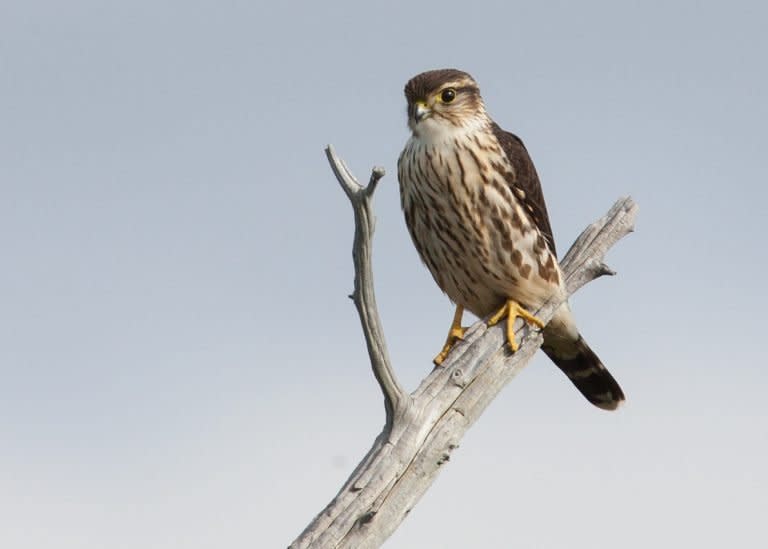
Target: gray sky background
x=179, y=363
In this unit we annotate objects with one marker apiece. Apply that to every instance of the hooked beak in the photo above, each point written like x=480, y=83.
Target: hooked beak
x=420, y=111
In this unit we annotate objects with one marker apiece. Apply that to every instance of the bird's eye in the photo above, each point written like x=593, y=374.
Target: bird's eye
x=448, y=95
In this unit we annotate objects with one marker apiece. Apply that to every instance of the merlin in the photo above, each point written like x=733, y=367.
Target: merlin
x=476, y=213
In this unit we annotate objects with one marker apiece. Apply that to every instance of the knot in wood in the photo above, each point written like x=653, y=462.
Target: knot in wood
x=457, y=376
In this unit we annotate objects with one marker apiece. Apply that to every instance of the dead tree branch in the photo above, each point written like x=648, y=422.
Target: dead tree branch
x=422, y=429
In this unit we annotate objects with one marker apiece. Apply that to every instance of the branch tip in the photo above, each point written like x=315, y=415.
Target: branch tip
x=376, y=174
x=604, y=269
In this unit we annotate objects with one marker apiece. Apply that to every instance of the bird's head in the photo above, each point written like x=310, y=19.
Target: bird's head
x=442, y=101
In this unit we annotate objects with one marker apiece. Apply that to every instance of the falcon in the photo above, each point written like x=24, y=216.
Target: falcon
x=475, y=210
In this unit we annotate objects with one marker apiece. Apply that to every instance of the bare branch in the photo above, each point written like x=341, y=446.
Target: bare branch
x=364, y=296
x=424, y=428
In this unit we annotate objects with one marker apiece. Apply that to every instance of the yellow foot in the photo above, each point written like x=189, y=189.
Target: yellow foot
x=456, y=333
x=512, y=310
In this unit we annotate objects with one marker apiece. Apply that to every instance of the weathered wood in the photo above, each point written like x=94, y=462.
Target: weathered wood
x=422, y=429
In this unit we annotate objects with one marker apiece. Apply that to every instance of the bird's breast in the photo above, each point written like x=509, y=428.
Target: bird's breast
x=470, y=230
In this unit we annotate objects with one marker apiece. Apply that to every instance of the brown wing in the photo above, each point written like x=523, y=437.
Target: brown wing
x=526, y=179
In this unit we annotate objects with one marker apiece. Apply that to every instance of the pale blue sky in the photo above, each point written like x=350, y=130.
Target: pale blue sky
x=179, y=363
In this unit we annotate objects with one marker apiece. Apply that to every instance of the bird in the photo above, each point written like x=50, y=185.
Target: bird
x=475, y=210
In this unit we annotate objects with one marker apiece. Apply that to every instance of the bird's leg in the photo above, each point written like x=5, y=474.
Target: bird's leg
x=511, y=310
x=455, y=334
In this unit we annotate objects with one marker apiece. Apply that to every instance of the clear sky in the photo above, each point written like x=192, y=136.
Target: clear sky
x=179, y=363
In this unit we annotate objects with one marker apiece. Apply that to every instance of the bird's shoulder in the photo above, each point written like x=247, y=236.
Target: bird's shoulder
x=525, y=182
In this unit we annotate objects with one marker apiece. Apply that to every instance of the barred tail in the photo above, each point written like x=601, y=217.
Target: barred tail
x=587, y=373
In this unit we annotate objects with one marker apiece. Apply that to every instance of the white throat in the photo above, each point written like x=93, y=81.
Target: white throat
x=435, y=132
